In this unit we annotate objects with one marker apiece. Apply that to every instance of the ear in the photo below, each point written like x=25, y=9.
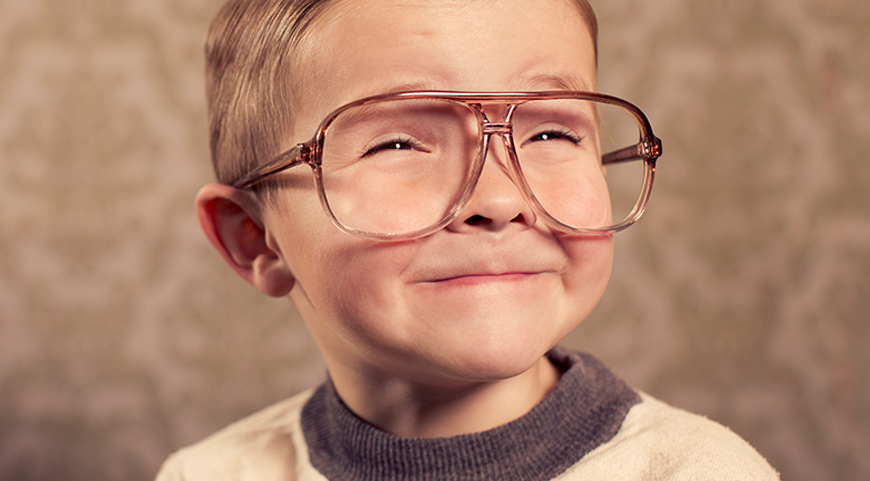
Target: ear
x=233, y=222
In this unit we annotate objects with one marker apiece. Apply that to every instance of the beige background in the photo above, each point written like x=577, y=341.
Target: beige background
x=743, y=295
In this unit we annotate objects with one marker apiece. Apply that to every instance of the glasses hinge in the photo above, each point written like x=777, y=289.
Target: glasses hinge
x=303, y=154
x=650, y=149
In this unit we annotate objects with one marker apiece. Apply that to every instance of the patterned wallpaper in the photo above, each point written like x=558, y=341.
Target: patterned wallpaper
x=742, y=295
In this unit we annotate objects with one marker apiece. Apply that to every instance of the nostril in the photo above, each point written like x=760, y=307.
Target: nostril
x=477, y=220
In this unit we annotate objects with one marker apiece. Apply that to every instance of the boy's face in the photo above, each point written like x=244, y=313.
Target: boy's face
x=486, y=297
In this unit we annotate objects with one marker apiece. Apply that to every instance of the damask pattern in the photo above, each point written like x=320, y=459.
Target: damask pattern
x=742, y=294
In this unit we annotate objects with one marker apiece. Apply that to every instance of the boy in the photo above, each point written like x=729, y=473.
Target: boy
x=448, y=242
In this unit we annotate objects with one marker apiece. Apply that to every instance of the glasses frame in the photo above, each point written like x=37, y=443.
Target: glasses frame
x=648, y=149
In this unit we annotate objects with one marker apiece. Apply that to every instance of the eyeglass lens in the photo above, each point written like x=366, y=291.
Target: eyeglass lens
x=402, y=165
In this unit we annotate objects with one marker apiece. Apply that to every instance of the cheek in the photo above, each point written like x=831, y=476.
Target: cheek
x=577, y=197
x=591, y=261
x=348, y=284
x=355, y=284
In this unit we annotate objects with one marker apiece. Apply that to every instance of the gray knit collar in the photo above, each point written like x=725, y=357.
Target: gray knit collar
x=585, y=409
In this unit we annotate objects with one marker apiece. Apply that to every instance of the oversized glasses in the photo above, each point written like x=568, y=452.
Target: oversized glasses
x=404, y=165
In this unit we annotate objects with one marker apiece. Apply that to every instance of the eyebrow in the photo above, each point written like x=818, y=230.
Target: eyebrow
x=559, y=82
x=532, y=83
x=394, y=88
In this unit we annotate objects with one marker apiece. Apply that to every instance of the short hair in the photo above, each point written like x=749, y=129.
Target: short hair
x=250, y=50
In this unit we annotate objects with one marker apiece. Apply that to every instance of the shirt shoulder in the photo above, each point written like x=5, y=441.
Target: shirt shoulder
x=660, y=442
x=267, y=445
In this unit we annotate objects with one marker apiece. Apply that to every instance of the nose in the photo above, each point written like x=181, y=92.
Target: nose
x=496, y=202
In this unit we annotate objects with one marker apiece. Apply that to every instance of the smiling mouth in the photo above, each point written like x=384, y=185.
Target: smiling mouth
x=474, y=279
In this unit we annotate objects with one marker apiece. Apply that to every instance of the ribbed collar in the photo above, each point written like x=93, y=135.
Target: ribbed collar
x=585, y=410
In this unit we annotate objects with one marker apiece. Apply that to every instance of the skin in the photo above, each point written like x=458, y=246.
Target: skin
x=446, y=334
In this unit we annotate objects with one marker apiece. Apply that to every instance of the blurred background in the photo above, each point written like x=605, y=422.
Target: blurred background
x=743, y=295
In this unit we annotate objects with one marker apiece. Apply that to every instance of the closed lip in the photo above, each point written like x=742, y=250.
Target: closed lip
x=490, y=259
x=484, y=276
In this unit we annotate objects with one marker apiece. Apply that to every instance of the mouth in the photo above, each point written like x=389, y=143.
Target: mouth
x=490, y=263
x=472, y=279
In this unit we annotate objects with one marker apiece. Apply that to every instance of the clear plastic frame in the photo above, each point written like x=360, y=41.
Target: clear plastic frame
x=404, y=165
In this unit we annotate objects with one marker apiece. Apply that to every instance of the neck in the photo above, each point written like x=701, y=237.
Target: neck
x=413, y=409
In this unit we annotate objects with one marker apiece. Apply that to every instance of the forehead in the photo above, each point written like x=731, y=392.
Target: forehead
x=357, y=48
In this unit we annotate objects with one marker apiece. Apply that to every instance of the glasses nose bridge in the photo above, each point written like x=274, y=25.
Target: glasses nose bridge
x=488, y=129
x=503, y=128
x=497, y=128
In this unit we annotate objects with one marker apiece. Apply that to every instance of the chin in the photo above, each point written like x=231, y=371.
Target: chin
x=493, y=361
x=491, y=347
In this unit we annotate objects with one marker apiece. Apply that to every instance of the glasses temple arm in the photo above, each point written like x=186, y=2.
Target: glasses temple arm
x=639, y=151
x=291, y=158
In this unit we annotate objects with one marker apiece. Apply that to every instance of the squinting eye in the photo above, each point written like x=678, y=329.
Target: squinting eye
x=393, y=144
x=554, y=135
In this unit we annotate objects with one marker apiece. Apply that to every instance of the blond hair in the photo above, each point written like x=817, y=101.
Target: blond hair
x=249, y=77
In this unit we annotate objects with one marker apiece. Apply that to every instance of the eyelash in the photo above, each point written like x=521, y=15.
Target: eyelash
x=558, y=134
x=389, y=144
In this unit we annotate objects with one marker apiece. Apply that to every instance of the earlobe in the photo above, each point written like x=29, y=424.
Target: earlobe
x=232, y=221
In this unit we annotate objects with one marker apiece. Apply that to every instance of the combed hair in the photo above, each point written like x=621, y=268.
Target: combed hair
x=249, y=77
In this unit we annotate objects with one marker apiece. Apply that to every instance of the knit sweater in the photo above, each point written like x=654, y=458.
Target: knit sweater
x=591, y=426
